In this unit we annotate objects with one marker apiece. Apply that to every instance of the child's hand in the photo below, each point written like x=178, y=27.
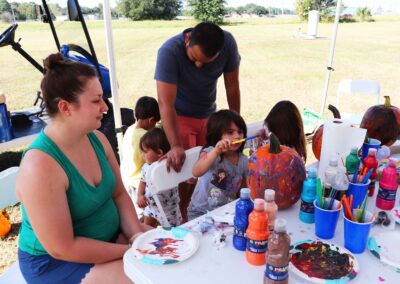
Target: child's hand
x=222, y=146
x=142, y=201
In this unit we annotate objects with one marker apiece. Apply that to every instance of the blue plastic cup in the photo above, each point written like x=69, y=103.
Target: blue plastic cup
x=326, y=220
x=356, y=234
x=372, y=143
x=359, y=191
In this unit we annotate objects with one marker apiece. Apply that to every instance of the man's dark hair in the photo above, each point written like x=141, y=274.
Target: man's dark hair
x=209, y=37
x=147, y=107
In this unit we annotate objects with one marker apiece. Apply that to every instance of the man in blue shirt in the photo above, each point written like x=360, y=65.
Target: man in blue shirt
x=188, y=67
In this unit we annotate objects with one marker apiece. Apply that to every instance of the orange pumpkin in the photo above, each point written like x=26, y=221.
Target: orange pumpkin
x=278, y=167
x=317, y=138
x=5, y=224
x=382, y=122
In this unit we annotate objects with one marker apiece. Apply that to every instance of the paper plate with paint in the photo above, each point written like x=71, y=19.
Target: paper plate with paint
x=163, y=246
x=396, y=213
x=322, y=262
x=385, y=246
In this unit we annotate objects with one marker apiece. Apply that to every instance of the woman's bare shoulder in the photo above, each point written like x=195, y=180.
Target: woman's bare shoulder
x=38, y=169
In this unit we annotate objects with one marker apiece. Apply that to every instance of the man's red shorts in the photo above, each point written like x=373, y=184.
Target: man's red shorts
x=192, y=131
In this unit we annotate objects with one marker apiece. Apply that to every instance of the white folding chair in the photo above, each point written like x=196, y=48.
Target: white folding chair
x=158, y=179
x=8, y=197
x=350, y=88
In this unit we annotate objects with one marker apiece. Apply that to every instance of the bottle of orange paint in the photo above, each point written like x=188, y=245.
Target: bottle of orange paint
x=257, y=234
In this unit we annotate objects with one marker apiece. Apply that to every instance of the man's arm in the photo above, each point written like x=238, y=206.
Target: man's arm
x=232, y=88
x=166, y=94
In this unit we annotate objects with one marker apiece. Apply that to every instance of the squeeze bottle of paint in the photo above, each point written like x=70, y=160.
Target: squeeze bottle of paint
x=243, y=208
x=277, y=267
x=271, y=208
x=308, y=196
x=330, y=173
x=341, y=183
x=352, y=161
x=5, y=123
x=371, y=162
x=257, y=234
x=388, y=186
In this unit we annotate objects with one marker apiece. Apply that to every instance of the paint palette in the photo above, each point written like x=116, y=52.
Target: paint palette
x=396, y=213
x=322, y=262
x=385, y=246
x=163, y=246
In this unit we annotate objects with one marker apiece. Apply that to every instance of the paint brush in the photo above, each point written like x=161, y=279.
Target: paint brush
x=351, y=202
x=344, y=165
x=373, y=216
x=347, y=210
x=340, y=204
x=356, y=173
x=244, y=139
x=332, y=198
x=366, y=177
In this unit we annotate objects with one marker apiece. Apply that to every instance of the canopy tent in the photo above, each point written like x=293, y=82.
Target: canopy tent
x=329, y=68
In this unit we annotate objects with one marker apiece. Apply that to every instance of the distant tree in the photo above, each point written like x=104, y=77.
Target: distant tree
x=5, y=6
x=6, y=17
x=364, y=14
x=208, y=10
x=56, y=9
x=150, y=9
x=324, y=7
x=255, y=9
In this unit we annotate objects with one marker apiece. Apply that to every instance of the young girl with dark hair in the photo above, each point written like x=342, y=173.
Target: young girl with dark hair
x=222, y=167
x=154, y=145
x=284, y=120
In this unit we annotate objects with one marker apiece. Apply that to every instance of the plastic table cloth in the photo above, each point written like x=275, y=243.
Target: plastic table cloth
x=212, y=264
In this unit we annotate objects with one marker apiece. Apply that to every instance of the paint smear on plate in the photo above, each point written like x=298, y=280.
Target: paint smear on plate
x=320, y=260
x=164, y=247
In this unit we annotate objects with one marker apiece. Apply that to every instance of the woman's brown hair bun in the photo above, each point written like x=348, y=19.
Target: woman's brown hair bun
x=52, y=61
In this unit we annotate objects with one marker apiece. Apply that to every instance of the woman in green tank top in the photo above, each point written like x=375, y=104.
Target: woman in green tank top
x=77, y=215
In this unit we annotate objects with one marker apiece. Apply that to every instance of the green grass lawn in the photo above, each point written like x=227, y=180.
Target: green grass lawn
x=275, y=65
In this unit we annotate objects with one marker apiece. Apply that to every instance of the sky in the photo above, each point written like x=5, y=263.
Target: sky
x=393, y=5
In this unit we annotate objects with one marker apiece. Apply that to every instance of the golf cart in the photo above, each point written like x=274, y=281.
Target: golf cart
x=26, y=123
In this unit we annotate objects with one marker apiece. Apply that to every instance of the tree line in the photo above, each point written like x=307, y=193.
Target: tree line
x=203, y=10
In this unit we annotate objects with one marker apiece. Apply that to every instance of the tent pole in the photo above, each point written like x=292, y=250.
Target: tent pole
x=329, y=68
x=113, y=75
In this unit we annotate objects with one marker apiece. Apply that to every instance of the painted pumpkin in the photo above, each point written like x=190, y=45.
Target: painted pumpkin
x=382, y=122
x=317, y=138
x=5, y=224
x=277, y=167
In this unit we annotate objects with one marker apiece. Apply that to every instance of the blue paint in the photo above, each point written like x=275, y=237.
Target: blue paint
x=308, y=196
x=179, y=233
x=243, y=208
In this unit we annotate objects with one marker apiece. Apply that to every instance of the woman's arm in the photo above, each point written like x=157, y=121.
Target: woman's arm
x=41, y=187
x=130, y=224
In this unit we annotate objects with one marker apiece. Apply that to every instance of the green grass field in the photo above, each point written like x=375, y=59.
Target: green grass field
x=275, y=65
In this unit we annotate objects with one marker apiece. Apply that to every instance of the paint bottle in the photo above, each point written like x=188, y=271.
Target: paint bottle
x=5, y=122
x=352, y=161
x=257, y=234
x=371, y=162
x=271, y=208
x=388, y=186
x=341, y=183
x=330, y=173
x=277, y=267
x=243, y=208
x=308, y=196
